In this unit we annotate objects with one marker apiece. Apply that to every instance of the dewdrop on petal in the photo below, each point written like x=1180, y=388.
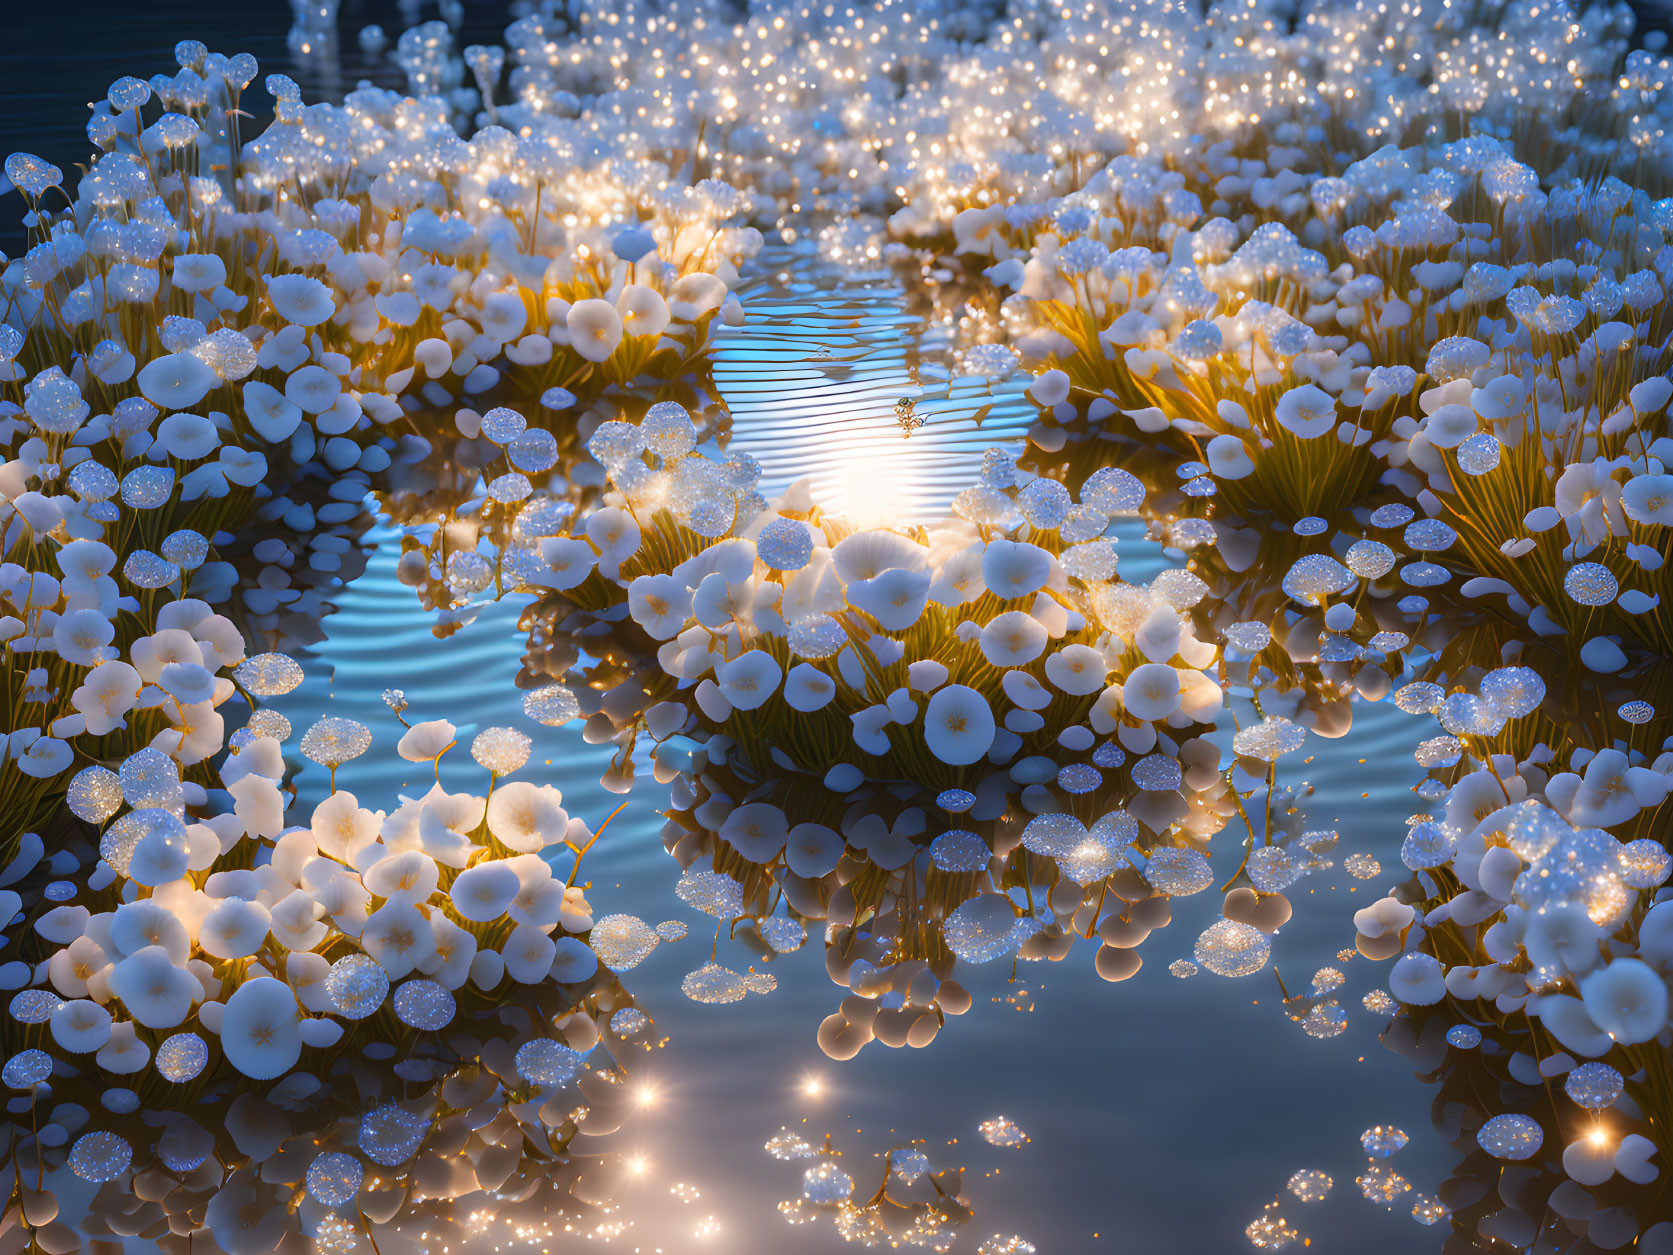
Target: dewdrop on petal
x=985, y=927
x=1003, y=1132
x=1381, y=1141
x=959, y=851
x=501, y=750
x=826, y=1185
x=269, y=723
x=268, y=675
x=1313, y=578
x=553, y=706
x=713, y=893
x=391, y=1134
x=334, y=1178
x=1645, y=863
x=34, y=1006
x=26, y=1069
x=785, y=545
x=503, y=425
x=713, y=983
x=546, y=1062
x=622, y=942
x=424, y=1005
x=1228, y=948
x=100, y=1156
x=1637, y=712
x=1511, y=1137
x=332, y=741
x=95, y=794
x=357, y=986
x=1369, y=559
x=144, y=569
x=1178, y=872
x=1269, y=740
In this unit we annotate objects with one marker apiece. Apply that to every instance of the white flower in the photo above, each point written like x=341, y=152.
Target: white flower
x=568, y=562
x=958, y=725
x=445, y=822
x=595, y=329
x=124, y=1053
x=813, y=850
x=81, y=637
x=270, y=412
x=162, y=854
x=660, y=604
x=807, y=688
x=300, y=300
x=870, y=728
x=1308, y=411
x=527, y=817
x=895, y=598
x=455, y=952
x=187, y=437
x=1051, y=388
x=483, y=892
x=528, y=954
x=409, y=876
x=313, y=389
x=341, y=828
x=425, y=742
x=644, y=312
x=177, y=381
x=1077, y=669
x=154, y=990
x=1013, y=639
x=1648, y=499
x=1228, y=458
x=866, y=555
x=540, y=901
x=694, y=295
x=297, y=921
x=757, y=830
x=572, y=961
x=398, y=936
x=960, y=577
x=44, y=757
x=188, y=683
x=504, y=315
x=1417, y=980
x=1010, y=569
x=1627, y=1000
x=749, y=679
x=199, y=272
x=1612, y=791
x=1565, y=1019
x=80, y=1026
x=615, y=534
x=146, y=922
x=1151, y=692
x=234, y=929
x=259, y=1029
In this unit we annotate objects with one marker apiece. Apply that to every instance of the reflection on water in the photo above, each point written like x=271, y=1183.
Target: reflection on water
x=836, y=380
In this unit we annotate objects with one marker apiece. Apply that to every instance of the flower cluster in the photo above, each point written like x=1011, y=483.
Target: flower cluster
x=218, y=950
x=1536, y=914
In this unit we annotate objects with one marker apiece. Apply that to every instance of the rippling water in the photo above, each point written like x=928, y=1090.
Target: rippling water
x=836, y=380
x=1163, y=1113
